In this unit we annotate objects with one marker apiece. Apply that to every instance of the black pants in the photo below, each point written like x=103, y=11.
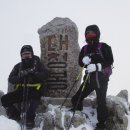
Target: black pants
x=31, y=95
x=101, y=90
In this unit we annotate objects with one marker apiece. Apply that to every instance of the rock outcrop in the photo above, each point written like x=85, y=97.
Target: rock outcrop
x=2, y=110
x=55, y=118
x=59, y=53
x=118, y=111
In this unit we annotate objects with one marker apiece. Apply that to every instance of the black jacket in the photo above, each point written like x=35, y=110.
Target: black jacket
x=105, y=56
x=39, y=76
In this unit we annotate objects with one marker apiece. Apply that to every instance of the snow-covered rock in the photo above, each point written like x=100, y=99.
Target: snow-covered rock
x=1, y=94
x=8, y=124
x=118, y=111
x=56, y=119
x=51, y=117
x=2, y=109
x=123, y=94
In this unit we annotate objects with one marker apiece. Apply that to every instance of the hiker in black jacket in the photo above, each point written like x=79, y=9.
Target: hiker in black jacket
x=97, y=58
x=29, y=77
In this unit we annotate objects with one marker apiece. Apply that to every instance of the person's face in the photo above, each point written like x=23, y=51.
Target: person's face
x=26, y=55
x=90, y=36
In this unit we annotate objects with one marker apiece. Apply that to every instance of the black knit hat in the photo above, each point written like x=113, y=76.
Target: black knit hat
x=93, y=28
x=26, y=48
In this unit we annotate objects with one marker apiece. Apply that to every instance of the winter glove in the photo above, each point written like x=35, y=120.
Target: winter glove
x=31, y=71
x=99, y=67
x=23, y=73
x=93, y=67
x=86, y=60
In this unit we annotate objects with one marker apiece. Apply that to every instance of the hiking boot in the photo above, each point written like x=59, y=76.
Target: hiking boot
x=72, y=109
x=30, y=124
x=100, y=126
x=13, y=113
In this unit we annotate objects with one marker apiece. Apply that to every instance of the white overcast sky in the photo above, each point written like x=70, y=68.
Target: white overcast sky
x=20, y=20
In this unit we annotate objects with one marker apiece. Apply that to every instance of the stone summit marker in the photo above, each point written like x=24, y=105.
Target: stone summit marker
x=59, y=53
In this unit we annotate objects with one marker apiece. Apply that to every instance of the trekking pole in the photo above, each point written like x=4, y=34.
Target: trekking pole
x=77, y=78
x=24, y=105
x=78, y=99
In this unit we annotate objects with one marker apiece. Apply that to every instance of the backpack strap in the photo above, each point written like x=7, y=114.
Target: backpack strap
x=98, y=48
x=85, y=49
x=99, y=45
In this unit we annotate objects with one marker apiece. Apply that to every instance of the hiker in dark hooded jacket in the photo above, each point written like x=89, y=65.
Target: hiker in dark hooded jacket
x=97, y=58
x=29, y=77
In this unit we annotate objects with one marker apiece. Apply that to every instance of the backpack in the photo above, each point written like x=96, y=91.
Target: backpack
x=106, y=71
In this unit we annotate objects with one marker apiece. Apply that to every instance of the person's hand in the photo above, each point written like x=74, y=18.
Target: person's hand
x=86, y=60
x=31, y=71
x=23, y=73
x=93, y=67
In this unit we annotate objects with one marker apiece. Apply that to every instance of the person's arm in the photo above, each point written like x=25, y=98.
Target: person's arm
x=81, y=55
x=13, y=76
x=102, y=59
x=41, y=74
x=107, y=56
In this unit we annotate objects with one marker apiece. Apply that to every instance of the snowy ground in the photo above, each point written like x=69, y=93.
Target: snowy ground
x=7, y=124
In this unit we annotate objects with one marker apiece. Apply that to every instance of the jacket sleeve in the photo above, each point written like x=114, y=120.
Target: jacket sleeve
x=41, y=74
x=13, y=76
x=81, y=55
x=107, y=56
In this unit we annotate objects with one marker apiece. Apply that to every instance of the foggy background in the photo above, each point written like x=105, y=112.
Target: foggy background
x=21, y=19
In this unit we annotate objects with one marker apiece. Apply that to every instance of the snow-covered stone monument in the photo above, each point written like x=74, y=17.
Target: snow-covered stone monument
x=59, y=53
